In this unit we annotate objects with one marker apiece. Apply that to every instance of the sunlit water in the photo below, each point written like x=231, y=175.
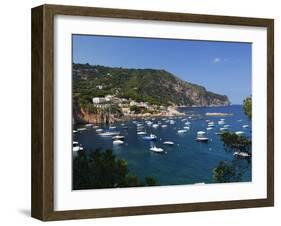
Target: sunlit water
x=187, y=161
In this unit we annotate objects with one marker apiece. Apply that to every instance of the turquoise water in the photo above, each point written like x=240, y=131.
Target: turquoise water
x=187, y=161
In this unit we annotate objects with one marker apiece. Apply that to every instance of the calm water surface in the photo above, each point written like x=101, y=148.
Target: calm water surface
x=187, y=161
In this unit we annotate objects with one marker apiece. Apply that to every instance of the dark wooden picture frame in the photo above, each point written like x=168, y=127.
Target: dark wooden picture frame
x=43, y=112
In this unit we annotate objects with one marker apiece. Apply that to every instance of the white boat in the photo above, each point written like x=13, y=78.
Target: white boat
x=172, y=122
x=239, y=133
x=168, y=142
x=164, y=126
x=112, y=127
x=182, y=131
x=201, y=136
x=81, y=129
x=118, y=137
x=99, y=130
x=241, y=154
x=202, y=139
x=141, y=133
x=108, y=134
x=211, y=124
x=223, y=129
x=155, y=125
x=226, y=126
x=187, y=123
x=76, y=146
x=186, y=127
x=245, y=126
x=221, y=122
x=156, y=149
x=150, y=137
x=200, y=133
x=149, y=123
x=209, y=128
x=89, y=125
x=74, y=131
x=95, y=127
x=118, y=142
x=139, y=125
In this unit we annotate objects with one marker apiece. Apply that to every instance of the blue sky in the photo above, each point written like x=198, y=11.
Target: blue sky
x=221, y=67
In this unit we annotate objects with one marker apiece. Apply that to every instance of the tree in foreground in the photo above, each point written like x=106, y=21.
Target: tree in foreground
x=225, y=172
x=101, y=169
x=247, y=106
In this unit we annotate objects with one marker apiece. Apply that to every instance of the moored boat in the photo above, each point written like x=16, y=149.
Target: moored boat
x=118, y=142
x=169, y=143
x=150, y=137
x=156, y=149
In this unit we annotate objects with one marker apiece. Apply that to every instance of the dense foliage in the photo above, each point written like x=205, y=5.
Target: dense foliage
x=157, y=87
x=101, y=169
x=247, y=106
x=225, y=172
x=236, y=142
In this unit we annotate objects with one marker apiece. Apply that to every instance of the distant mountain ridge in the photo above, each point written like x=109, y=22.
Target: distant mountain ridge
x=154, y=86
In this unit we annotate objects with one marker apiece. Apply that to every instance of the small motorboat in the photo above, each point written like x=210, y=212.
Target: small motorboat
x=209, y=128
x=99, y=130
x=169, y=143
x=186, y=127
x=74, y=131
x=156, y=149
x=239, y=133
x=182, y=131
x=155, y=126
x=76, y=147
x=108, y=134
x=164, y=126
x=118, y=137
x=118, y=142
x=141, y=133
x=150, y=137
x=245, y=126
x=172, y=122
x=201, y=136
x=203, y=139
x=149, y=123
x=89, y=125
x=81, y=129
x=221, y=122
x=223, y=129
x=241, y=154
x=112, y=127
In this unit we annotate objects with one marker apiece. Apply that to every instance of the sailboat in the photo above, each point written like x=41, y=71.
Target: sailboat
x=109, y=132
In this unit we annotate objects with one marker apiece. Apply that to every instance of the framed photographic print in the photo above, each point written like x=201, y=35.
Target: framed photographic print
x=141, y=112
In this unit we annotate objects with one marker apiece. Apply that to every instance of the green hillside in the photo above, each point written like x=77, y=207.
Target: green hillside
x=157, y=87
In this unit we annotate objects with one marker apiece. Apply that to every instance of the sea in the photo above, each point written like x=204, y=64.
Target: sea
x=187, y=161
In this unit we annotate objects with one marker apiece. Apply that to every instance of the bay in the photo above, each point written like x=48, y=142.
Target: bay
x=187, y=161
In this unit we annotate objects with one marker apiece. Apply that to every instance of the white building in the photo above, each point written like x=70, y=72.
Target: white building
x=98, y=100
